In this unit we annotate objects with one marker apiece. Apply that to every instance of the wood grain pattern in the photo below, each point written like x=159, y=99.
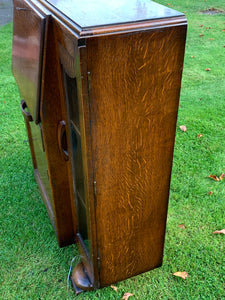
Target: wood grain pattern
x=127, y=75
x=65, y=51
x=53, y=111
x=134, y=100
x=43, y=140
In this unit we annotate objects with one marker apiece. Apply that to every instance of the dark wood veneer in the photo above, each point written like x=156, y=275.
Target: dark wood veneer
x=101, y=126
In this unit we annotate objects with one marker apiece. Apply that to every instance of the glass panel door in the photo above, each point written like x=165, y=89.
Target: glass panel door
x=77, y=159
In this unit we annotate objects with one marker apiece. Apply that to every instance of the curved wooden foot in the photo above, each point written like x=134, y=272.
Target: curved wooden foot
x=80, y=279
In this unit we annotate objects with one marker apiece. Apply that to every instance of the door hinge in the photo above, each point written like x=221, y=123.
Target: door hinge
x=89, y=81
x=98, y=263
x=22, y=8
x=95, y=190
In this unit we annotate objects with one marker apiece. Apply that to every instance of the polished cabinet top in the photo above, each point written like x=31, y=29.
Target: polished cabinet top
x=96, y=13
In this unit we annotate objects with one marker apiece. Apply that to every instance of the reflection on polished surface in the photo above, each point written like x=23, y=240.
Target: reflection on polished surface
x=100, y=12
x=27, y=53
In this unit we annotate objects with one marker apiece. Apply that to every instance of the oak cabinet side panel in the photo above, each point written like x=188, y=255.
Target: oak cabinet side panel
x=135, y=87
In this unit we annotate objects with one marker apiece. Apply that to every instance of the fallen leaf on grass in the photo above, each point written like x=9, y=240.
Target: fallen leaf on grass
x=183, y=128
x=210, y=193
x=214, y=177
x=200, y=135
x=223, y=30
x=219, y=231
x=182, y=226
x=127, y=295
x=183, y=275
x=222, y=176
x=208, y=69
x=114, y=287
x=193, y=55
x=201, y=35
x=211, y=39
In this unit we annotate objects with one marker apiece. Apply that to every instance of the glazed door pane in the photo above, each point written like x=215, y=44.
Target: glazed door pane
x=77, y=159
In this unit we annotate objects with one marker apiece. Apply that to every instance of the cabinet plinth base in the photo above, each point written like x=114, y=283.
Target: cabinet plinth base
x=80, y=279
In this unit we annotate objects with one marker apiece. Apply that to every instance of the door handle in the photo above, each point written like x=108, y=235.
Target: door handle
x=27, y=116
x=62, y=140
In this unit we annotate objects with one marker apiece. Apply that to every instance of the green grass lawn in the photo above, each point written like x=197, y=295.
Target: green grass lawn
x=32, y=264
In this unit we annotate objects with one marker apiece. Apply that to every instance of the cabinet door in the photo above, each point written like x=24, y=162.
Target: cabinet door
x=74, y=78
x=35, y=69
x=27, y=55
x=41, y=171
x=40, y=165
x=70, y=81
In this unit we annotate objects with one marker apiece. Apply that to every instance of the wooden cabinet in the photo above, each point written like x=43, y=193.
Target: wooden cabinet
x=102, y=90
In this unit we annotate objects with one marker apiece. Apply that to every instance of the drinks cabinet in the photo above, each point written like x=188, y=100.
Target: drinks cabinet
x=100, y=86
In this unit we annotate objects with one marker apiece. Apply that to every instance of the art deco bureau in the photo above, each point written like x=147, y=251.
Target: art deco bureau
x=100, y=85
